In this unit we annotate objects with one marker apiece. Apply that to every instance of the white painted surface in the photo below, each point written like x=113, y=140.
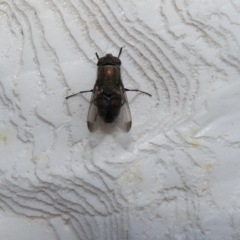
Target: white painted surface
x=175, y=175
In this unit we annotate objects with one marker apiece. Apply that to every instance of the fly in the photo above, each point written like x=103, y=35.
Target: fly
x=109, y=97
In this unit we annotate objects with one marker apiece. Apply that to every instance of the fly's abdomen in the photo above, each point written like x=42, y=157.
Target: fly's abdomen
x=108, y=106
x=114, y=109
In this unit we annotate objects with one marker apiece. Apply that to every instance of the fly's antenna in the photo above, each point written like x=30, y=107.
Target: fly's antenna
x=120, y=52
x=97, y=56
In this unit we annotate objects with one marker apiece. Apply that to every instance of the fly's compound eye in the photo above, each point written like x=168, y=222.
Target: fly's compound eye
x=116, y=61
x=101, y=61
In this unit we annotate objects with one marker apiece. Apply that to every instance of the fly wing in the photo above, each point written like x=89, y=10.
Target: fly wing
x=92, y=111
x=124, y=119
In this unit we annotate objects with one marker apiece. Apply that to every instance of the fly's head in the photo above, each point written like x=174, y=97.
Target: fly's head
x=109, y=59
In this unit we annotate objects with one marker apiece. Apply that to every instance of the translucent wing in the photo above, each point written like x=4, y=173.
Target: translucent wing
x=92, y=111
x=124, y=119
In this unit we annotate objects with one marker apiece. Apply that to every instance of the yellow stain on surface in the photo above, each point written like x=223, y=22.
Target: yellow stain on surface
x=195, y=143
x=194, y=131
x=209, y=166
x=4, y=139
x=191, y=138
x=140, y=179
x=8, y=135
x=35, y=159
x=133, y=177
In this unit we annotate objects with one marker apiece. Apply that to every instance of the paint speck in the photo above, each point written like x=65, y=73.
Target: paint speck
x=67, y=222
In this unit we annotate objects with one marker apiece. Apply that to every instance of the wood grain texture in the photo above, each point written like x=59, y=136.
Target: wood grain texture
x=175, y=175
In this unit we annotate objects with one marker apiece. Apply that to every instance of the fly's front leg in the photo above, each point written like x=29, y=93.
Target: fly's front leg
x=79, y=93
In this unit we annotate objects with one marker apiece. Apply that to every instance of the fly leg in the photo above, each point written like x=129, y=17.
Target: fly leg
x=79, y=93
x=136, y=90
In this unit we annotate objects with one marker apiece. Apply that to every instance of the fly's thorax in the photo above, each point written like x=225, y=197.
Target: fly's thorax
x=108, y=77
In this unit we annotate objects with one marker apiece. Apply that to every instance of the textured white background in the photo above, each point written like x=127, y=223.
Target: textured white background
x=176, y=175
